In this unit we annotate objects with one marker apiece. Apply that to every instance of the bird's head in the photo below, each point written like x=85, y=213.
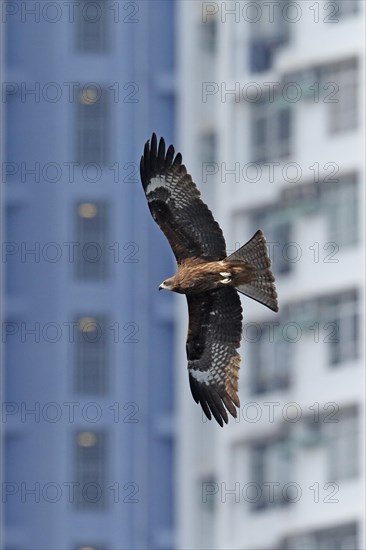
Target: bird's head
x=168, y=284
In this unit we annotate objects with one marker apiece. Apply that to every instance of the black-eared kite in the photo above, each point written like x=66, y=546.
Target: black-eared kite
x=207, y=276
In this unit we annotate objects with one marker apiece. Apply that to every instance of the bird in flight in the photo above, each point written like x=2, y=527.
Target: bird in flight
x=207, y=276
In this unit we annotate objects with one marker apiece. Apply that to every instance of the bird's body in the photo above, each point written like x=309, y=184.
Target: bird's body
x=207, y=276
x=195, y=276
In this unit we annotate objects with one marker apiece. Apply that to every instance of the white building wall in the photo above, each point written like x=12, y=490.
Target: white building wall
x=218, y=460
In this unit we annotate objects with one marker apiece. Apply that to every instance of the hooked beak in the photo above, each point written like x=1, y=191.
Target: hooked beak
x=164, y=286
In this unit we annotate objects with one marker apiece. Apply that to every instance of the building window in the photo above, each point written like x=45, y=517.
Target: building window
x=270, y=361
x=342, y=439
x=271, y=466
x=91, y=261
x=341, y=537
x=208, y=496
x=340, y=202
x=209, y=35
x=271, y=131
x=337, y=431
x=271, y=349
x=92, y=29
x=340, y=313
x=343, y=110
x=91, y=361
x=267, y=34
x=93, y=128
x=208, y=488
x=209, y=146
x=90, y=469
x=346, y=8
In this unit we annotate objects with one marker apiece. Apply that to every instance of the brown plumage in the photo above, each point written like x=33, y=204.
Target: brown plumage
x=209, y=278
x=195, y=275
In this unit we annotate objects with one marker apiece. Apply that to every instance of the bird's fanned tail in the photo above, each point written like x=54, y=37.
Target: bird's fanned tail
x=261, y=287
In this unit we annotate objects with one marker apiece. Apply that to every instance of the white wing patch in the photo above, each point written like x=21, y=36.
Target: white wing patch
x=181, y=200
x=155, y=183
x=201, y=376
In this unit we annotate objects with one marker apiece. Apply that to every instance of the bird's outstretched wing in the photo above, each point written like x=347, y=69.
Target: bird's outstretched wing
x=214, y=333
x=175, y=204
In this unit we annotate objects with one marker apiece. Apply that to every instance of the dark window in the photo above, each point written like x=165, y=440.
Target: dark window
x=209, y=147
x=267, y=34
x=90, y=470
x=340, y=314
x=338, y=433
x=271, y=131
x=342, y=438
x=340, y=203
x=93, y=127
x=342, y=79
x=270, y=361
x=91, y=254
x=209, y=35
x=91, y=362
x=346, y=8
x=260, y=132
x=271, y=465
x=272, y=353
x=208, y=485
x=92, y=29
x=261, y=55
x=341, y=537
x=284, y=125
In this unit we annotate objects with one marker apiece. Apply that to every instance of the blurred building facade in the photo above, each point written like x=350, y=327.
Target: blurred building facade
x=1, y=268
x=270, y=123
x=88, y=392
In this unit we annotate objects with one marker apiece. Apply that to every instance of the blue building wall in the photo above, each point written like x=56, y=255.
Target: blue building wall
x=45, y=296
